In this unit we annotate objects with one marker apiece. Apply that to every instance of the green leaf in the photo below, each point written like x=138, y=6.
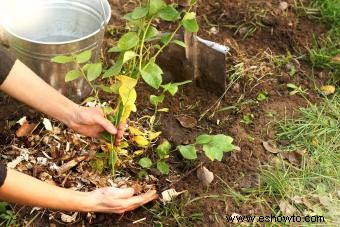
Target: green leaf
x=152, y=75
x=190, y=25
x=155, y=6
x=62, y=59
x=173, y=88
x=156, y=100
x=151, y=33
x=166, y=38
x=262, y=96
x=212, y=152
x=72, y=75
x=204, y=139
x=163, y=149
x=139, y=13
x=114, y=50
x=146, y=163
x=94, y=71
x=163, y=167
x=193, y=2
x=115, y=69
x=84, y=57
x=188, y=152
x=128, y=41
x=180, y=43
x=169, y=13
x=128, y=55
x=218, y=145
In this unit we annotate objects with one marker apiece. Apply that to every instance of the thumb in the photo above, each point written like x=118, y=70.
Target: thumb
x=106, y=124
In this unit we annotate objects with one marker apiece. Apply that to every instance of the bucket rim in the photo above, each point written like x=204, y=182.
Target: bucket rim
x=106, y=21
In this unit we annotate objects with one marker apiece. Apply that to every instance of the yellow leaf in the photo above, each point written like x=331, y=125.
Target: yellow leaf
x=128, y=95
x=124, y=145
x=141, y=141
x=123, y=152
x=138, y=153
x=127, y=81
x=154, y=135
x=328, y=90
x=127, y=111
x=136, y=131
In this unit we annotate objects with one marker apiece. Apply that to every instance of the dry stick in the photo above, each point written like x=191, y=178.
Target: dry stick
x=186, y=175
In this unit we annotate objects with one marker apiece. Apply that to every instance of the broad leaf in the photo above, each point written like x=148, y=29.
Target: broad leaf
x=163, y=150
x=72, y=75
x=190, y=25
x=204, y=139
x=169, y=13
x=62, y=59
x=180, y=43
x=139, y=13
x=151, y=33
x=141, y=141
x=115, y=69
x=166, y=38
x=145, y=163
x=84, y=57
x=155, y=6
x=156, y=100
x=163, y=167
x=188, y=152
x=152, y=75
x=212, y=152
x=128, y=55
x=94, y=71
x=128, y=41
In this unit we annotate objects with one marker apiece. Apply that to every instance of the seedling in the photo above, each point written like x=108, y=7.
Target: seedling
x=7, y=217
x=248, y=119
x=137, y=52
x=213, y=146
x=262, y=96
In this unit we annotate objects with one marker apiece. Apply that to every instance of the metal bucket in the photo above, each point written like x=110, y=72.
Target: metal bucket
x=58, y=27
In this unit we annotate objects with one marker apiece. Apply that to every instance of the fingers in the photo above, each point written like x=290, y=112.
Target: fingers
x=123, y=193
x=137, y=201
x=106, y=124
x=120, y=133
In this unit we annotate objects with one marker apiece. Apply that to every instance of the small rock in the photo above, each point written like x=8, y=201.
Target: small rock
x=283, y=6
x=213, y=30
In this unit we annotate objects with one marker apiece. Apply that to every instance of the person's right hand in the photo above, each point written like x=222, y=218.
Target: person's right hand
x=116, y=200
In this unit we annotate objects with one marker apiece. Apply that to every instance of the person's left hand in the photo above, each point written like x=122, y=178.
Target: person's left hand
x=91, y=122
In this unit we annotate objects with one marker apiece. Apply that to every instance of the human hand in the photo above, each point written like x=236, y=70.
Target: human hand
x=116, y=200
x=91, y=122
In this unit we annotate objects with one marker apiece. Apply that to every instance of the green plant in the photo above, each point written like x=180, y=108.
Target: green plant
x=7, y=217
x=294, y=89
x=248, y=119
x=137, y=52
x=163, y=151
x=262, y=96
x=214, y=147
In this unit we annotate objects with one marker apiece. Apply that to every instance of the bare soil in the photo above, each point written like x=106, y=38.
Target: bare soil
x=282, y=33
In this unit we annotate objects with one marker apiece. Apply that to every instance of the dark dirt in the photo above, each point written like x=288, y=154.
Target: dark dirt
x=282, y=33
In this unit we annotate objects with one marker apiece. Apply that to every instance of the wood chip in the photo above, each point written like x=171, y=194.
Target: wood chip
x=26, y=129
x=69, y=165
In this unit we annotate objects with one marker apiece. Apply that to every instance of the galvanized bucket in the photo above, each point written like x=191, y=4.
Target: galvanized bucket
x=58, y=27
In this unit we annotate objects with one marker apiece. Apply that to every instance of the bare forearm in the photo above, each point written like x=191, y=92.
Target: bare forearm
x=23, y=189
x=24, y=85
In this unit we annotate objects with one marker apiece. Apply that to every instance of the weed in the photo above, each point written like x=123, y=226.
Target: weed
x=7, y=217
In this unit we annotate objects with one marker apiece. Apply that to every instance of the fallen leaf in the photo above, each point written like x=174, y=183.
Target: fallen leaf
x=48, y=125
x=270, y=147
x=336, y=59
x=187, y=121
x=286, y=208
x=170, y=194
x=68, y=219
x=26, y=129
x=141, y=141
x=283, y=6
x=205, y=176
x=293, y=157
x=328, y=90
